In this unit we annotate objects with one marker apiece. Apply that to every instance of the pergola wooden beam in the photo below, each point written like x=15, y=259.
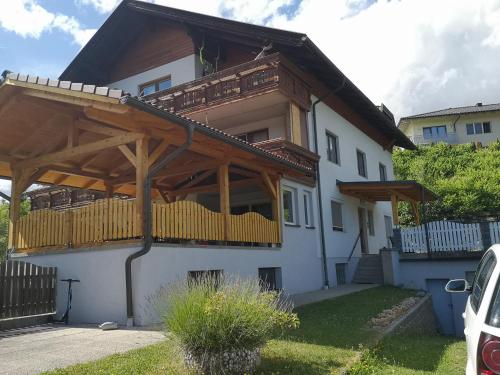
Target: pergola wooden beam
x=78, y=150
x=128, y=154
x=268, y=184
x=198, y=179
x=158, y=151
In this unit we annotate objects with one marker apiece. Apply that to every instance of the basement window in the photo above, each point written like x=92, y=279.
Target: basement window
x=270, y=278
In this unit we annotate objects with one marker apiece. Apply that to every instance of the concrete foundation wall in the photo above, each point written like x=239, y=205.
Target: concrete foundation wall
x=100, y=296
x=413, y=274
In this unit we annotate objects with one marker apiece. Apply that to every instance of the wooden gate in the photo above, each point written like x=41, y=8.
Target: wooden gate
x=26, y=289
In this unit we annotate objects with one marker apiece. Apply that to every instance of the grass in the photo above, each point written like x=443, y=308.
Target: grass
x=328, y=339
x=414, y=354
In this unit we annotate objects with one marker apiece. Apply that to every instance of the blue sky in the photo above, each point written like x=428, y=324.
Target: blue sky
x=49, y=54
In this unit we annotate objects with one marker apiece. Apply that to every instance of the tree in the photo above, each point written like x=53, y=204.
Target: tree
x=465, y=177
x=4, y=224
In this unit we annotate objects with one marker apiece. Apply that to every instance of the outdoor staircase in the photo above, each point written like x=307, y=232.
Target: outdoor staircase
x=369, y=270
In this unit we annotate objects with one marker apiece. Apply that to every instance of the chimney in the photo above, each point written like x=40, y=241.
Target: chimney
x=386, y=111
x=479, y=104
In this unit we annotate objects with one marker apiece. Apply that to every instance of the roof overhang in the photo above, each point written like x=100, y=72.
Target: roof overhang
x=39, y=118
x=376, y=191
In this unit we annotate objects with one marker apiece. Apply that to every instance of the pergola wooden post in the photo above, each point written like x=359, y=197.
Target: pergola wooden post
x=273, y=189
x=141, y=171
x=395, y=209
x=225, y=208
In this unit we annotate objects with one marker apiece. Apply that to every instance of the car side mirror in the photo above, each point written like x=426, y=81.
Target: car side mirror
x=458, y=286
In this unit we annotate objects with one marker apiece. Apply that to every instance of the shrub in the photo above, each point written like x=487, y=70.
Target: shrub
x=213, y=316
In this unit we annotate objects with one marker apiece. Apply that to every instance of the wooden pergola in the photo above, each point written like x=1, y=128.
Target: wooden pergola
x=82, y=136
x=390, y=191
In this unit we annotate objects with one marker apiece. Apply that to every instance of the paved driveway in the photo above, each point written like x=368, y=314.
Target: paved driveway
x=36, y=349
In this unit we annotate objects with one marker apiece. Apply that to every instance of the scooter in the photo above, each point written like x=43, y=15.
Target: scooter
x=65, y=318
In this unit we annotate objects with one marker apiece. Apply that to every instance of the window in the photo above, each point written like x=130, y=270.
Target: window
x=337, y=223
x=197, y=276
x=434, y=132
x=383, y=172
x=308, y=214
x=265, y=209
x=255, y=136
x=485, y=269
x=270, y=278
x=478, y=128
x=361, y=163
x=290, y=205
x=371, y=223
x=155, y=86
x=332, y=142
x=340, y=270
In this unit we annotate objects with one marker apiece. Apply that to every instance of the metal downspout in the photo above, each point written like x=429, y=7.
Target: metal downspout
x=318, y=178
x=147, y=224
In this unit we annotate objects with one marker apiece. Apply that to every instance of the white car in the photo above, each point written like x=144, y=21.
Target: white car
x=482, y=315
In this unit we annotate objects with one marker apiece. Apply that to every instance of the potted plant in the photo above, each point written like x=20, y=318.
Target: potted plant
x=222, y=322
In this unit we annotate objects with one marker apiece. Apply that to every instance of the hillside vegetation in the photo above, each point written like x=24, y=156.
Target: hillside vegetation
x=466, y=178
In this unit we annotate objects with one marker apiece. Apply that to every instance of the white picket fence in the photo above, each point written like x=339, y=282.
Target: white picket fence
x=447, y=236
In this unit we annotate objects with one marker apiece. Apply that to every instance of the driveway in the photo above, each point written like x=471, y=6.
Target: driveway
x=36, y=349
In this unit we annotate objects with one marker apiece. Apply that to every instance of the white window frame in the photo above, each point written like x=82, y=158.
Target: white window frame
x=365, y=163
x=295, y=209
x=473, y=124
x=341, y=206
x=334, y=152
x=308, y=209
x=382, y=166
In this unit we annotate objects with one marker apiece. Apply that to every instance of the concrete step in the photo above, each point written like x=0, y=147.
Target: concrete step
x=369, y=270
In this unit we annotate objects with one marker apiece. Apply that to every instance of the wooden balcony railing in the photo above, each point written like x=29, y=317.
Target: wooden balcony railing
x=248, y=79
x=114, y=219
x=291, y=151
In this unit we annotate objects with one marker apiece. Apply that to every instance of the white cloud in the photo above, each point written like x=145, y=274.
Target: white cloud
x=102, y=6
x=412, y=55
x=29, y=19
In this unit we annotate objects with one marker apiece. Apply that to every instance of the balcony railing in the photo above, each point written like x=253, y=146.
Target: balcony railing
x=238, y=82
x=450, y=138
x=291, y=151
x=114, y=219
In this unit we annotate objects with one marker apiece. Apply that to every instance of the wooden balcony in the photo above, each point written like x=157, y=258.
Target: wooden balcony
x=109, y=220
x=253, y=78
x=291, y=151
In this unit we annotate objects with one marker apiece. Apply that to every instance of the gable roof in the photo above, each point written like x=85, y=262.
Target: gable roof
x=478, y=108
x=131, y=16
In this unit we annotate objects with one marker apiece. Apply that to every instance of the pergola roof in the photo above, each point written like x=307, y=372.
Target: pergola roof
x=42, y=120
x=384, y=190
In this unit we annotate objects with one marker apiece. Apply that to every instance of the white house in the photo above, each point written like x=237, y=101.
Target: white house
x=276, y=165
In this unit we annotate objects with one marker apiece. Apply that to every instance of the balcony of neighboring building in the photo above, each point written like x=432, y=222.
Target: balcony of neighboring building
x=434, y=134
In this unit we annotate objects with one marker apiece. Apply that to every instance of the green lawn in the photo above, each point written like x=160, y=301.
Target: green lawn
x=414, y=354
x=330, y=337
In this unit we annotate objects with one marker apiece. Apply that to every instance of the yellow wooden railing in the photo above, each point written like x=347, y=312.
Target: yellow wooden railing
x=103, y=220
x=190, y=220
x=114, y=219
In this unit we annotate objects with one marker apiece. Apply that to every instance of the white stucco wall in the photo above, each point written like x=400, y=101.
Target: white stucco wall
x=101, y=294
x=181, y=71
x=339, y=244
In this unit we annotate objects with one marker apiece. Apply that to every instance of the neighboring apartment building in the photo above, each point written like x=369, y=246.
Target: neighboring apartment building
x=479, y=124
x=306, y=154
